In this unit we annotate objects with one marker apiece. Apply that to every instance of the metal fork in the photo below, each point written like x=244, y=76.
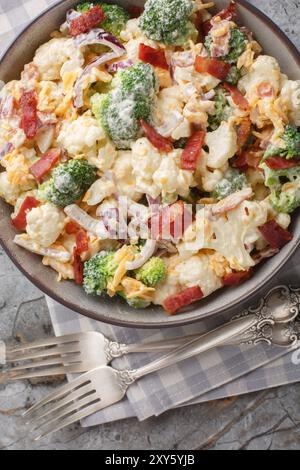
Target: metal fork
x=73, y=354
x=273, y=322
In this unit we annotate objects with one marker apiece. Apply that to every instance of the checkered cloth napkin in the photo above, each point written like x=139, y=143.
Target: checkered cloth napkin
x=216, y=374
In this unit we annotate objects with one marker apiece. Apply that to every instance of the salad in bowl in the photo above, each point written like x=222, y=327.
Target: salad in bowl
x=151, y=154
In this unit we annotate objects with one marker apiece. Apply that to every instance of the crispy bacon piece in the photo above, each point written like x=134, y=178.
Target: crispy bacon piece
x=87, y=21
x=29, y=203
x=216, y=68
x=192, y=151
x=155, y=57
x=279, y=163
x=237, y=97
x=250, y=158
x=82, y=241
x=29, y=121
x=158, y=141
x=276, y=236
x=72, y=228
x=265, y=90
x=234, y=279
x=229, y=13
x=78, y=267
x=171, y=222
x=47, y=161
x=243, y=132
x=187, y=297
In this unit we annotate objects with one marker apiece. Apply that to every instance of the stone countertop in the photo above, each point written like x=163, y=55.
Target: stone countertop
x=263, y=420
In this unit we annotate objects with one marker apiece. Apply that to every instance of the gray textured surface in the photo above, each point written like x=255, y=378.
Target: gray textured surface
x=265, y=420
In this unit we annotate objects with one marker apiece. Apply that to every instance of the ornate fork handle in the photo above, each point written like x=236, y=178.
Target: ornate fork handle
x=272, y=322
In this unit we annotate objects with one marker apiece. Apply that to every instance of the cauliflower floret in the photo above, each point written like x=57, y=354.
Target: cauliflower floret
x=198, y=271
x=264, y=70
x=290, y=101
x=17, y=165
x=169, y=114
x=56, y=57
x=131, y=31
x=106, y=156
x=222, y=145
x=124, y=176
x=201, y=81
x=158, y=173
x=206, y=177
x=9, y=192
x=44, y=224
x=80, y=137
x=50, y=96
x=101, y=189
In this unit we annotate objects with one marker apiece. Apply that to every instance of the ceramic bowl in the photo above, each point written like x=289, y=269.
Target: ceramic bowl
x=113, y=311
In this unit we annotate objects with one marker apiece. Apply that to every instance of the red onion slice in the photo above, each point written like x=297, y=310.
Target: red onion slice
x=8, y=148
x=7, y=106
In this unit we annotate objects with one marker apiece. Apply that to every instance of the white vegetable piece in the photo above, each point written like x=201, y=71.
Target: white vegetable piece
x=30, y=245
x=99, y=191
x=222, y=145
x=45, y=224
x=96, y=227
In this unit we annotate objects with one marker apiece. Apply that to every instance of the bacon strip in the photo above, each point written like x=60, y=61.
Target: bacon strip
x=187, y=297
x=87, y=21
x=29, y=203
x=82, y=242
x=192, y=151
x=234, y=279
x=72, y=228
x=229, y=13
x=47, y=161
x=237, y=97
x=29, y=121
x=155, y=57
x=158, y=141
x=243, y=132
x=279, y=163
x=216, y=68
x=78, y=267
x=276, y=236
x=265, y=90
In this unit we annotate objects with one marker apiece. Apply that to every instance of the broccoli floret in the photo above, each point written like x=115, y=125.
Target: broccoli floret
x=130, y=100
x=115, y=16
x=152, y=273
x=291, y=148
x=68, y=183
x=237, y=45
x=168, y=21
x=284, y=186
x=222, y=109
x=234, y=75
x=233, y=181
x=135, y=302
x=98, y=271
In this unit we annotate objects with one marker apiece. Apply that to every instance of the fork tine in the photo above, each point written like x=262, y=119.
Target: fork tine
x=56, y=351
x=68, y=410
x=53, y=371
x=48, y=342
x=49, y=362
x=88, y=411
x=68, y=388
x=76, y=395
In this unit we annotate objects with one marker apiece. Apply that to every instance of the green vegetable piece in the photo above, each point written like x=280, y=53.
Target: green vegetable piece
x=152, y=273
x=68, y=183
x=290, y=148
x=98, y=271
x=285, y=188
x=135, y=302
x=168, y=21
x=115, y=16
x=237, y=45
x=130, y=100
x=233, y=181
x=222, y=110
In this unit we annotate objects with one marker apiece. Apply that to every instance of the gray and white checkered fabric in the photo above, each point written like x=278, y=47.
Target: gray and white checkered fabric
x=216, y=374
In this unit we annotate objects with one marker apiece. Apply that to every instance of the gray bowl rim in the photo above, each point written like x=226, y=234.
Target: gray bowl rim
x=180, y=322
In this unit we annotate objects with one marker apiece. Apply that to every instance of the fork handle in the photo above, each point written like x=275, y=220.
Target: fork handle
x=232, y=333
x=159, y=346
